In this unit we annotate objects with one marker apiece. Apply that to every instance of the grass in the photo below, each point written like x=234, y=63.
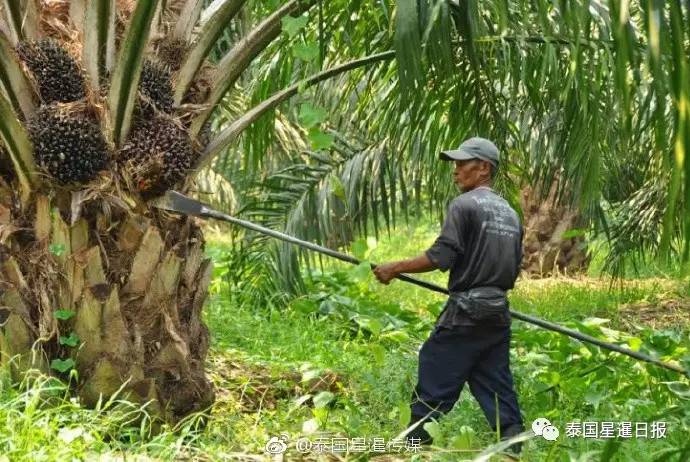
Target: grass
x=342, y=360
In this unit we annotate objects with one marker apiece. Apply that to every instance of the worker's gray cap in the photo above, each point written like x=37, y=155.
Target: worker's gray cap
x=474, y=148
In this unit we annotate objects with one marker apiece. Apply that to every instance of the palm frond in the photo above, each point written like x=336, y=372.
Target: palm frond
x=18, y=147
x=236, y=61
x=77, y=12
x=123, y=87
x=681, y=145
x=223, y=13
x=586, y=96
x=99, y=39
x=16, y=87
x=189, y=16
x=229, y=134
x=22, y=19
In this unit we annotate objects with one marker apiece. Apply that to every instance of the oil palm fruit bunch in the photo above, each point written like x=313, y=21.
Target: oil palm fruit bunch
x=158, y=149
x=155, y=87
x=93, y=128
x=57, y=74
x=67, y=143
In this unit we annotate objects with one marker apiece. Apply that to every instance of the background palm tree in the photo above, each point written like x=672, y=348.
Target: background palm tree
x=584, y=99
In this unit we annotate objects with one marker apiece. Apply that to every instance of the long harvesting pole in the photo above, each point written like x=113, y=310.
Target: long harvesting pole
x=179, y=203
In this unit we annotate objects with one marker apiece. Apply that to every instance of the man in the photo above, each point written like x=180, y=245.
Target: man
x=481, y=245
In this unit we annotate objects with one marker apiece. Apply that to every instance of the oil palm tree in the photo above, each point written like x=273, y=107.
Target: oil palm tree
x=105, y=105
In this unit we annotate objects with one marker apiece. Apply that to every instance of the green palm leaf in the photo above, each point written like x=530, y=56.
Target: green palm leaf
x=18, y=147
x=208, y=36
x=22, y=19
x=229, y=134
x=16, y=87
x=243, y=53
x=123, y=87
x=99, y=39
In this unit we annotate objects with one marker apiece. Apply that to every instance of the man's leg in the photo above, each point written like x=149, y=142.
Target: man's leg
x=445, y=361
x=491, y=383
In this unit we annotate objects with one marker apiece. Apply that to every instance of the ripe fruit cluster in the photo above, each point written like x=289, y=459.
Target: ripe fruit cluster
x=57, y=74
x=67, y=144
x=68, y=141
x=160, y=153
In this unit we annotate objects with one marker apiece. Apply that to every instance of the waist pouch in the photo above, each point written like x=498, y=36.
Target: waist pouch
x=481, y=303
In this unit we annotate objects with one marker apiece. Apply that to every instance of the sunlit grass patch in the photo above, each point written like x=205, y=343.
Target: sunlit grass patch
x=560, y=299
x=41, y=420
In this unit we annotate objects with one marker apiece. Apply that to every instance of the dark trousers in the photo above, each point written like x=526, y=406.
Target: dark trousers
x=478, y=355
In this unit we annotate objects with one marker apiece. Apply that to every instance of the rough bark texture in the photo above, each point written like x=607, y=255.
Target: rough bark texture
x=546, y=250
x=136, y=279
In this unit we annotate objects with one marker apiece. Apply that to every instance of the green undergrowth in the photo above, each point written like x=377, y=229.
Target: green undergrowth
x=341, y=361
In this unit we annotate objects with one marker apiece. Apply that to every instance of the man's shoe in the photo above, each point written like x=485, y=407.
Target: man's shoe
x=511, y=431
x=420, y=436
x=418, y=432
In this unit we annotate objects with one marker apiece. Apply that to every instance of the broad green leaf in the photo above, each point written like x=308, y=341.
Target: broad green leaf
x=125, y=80
x=594, y=397
x=64, y=315
x=293, y=25
x=434, y=429
x=634, y=343
x=320, y=140
x=71, y=341
x=57, y=249
x=464, y=439
x=378, y=353
x=62, y=365
x=310, y=116
x=575, y=232
x=360, y=272
x=306, y=51
x=370, y=324
x=304, y=305
x=323, y=398
x=404, y=413
x=399, y=336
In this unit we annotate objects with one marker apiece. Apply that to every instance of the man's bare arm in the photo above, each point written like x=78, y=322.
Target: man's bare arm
x=420, y=264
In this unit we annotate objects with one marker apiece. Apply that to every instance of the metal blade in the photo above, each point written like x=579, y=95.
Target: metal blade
x=176, y=202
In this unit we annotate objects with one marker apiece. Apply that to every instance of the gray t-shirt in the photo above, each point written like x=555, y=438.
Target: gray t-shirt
x=480, y=243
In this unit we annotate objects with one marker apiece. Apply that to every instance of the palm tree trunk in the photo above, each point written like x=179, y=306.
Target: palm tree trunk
x=135, y=279
x=546, y=249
